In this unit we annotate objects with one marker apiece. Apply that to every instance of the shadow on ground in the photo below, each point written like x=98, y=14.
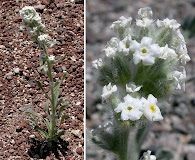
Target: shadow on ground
x=42, y=149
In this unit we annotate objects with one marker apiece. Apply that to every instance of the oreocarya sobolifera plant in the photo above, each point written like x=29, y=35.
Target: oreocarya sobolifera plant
x=54, y=105
x=143, y=65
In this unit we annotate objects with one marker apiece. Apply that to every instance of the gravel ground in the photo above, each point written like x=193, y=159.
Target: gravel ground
x=177, y=131
x=64, y=20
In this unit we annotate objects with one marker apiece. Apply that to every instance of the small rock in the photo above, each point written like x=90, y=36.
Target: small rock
x=2, y=47
x=52, y=6
x=1, y=144
x=79, y=150
x=178, y=124
x=73, y=58
x=12, y=141
x=60, y=5
x=40, y=7
x=19, y=141
x=16, y=70
x=1, y=153
x=78, y=103
x=77, y=133
x=11, y=150
x=9, y=75
x=21, y=126
x=32, y=136
x=80, y=117
x=45, y=2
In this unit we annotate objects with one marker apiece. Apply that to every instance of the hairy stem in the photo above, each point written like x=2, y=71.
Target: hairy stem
x=51, y=82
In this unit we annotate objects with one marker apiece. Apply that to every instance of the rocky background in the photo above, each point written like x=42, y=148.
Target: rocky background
x=176, y=133
x=19, y=60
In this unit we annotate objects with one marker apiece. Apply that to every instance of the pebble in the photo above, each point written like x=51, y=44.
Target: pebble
x=16, y=70
x=80, y=117
x=9, y=75
x=78, y=103
x=2, y=47
x=79, y=150
x=1, y=144
x=77, y=133
x=45, y=2
x=11, y=150
x=39, y=7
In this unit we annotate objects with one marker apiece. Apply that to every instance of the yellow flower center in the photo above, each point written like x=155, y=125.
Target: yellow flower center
x=152, y=108
x=129, y=108
x=144, y=51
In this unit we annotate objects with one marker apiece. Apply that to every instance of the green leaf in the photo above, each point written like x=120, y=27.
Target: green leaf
x=47, y=123
x=41, y=131
x=56, y=85
x=57, y=134
x=63, y=118
x=115, y=71
x=30, y=111
x=65, y=74
x=56, y=92
x=47, y=107
x=40, y=86
x=63, y=57
x=32, y=120
x=60, y=132
x=61, y=109
x=60, y=101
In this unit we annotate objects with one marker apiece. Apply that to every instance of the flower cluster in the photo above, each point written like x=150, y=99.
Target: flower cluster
x=36, y=28
x=145, y=62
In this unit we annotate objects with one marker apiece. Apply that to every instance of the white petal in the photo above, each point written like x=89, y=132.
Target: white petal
x=134, y=45
x=131, y=87
x=152, y=99
x=148, y=60
x=124, y=116
x=146, y=41
x=136, y=58
x=119, y=108
x=135, y=114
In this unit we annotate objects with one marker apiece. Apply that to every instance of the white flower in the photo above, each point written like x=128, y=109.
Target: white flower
x=150, y=110
x=147, y=156
x=121, y=23
x=145, y=22
x=131, y=87
x=145, y=12
x=168, y=23
x=43, y=38
x=29, y=14
x=97, y=63
x=166, y=52
x=46, y=39
x=51, y=58
x=130, y=108
x=180, y=78
x=144, y=51
x=111, y=48
x=124, y=45
x=108, y=90
x=182, y=52
x=180, y=36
